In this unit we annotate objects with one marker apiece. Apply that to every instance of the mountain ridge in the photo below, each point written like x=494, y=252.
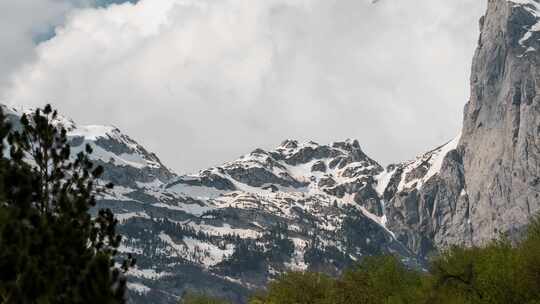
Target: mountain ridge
x=319, y=192
x=229, y=229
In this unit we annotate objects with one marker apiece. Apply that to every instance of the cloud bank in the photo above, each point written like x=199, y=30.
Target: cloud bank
x=26, y=23
x=202, y=81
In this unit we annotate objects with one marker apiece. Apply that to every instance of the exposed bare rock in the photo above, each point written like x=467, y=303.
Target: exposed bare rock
x=501, y=129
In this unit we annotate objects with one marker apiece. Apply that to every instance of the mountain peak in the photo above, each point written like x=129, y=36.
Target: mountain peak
x=289, y=144
x=347, y=145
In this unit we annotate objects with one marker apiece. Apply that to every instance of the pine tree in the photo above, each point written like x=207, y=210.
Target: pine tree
x=51, y=249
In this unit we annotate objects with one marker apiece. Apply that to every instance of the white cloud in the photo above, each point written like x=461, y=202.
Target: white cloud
x=203, y=81
x=25, y=23
x=20, y=22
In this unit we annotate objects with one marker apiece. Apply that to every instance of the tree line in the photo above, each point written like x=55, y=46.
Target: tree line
x=501, y=272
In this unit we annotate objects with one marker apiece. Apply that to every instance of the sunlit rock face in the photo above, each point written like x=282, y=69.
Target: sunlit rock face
x=501, y=130
x=488, y=180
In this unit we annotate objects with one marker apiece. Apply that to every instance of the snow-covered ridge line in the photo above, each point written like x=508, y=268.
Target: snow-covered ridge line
x=533, y=7
x=433, y=160
x=93, y=132
x=274, y=181
x=423, y=168
x=109, y=144
x=533, y=3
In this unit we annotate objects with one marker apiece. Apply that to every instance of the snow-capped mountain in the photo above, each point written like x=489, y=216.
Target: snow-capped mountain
x=227, y=230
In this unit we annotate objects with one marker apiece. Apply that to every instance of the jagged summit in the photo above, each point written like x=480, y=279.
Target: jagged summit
x=340, y=168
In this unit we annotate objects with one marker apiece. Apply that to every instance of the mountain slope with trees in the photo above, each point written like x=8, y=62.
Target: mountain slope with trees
x=228, y=230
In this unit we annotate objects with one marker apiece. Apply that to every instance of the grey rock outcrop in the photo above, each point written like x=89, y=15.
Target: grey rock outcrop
x=488, y=182
x=501, y=129
x=425, y=202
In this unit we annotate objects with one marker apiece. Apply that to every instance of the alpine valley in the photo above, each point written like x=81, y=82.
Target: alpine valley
x=227, y=230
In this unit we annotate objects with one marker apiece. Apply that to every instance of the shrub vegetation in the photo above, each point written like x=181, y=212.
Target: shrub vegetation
x=497, y=273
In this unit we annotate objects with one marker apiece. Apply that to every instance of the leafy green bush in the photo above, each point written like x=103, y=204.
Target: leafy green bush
x=192, y=298
x=382, y=279
x=297, y=288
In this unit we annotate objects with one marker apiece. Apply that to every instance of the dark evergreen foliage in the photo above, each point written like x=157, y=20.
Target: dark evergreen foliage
x=247, y=256
x=319, y=257
x=279, y=248
x=254, y=255
x=360, y=232
x=51, y=249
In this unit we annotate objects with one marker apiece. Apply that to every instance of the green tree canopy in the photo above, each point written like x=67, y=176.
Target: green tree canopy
x=500, y=272
x=193, y=298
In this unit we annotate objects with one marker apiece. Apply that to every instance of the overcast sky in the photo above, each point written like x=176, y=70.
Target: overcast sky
x=200, y=82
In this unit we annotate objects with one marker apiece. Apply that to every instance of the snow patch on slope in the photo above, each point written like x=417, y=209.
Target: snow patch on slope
x=92, y=132
x=383, y=179
x=150, y=274
x=199, y=192
x=122, y=217
x=138, y=288
x=430, y=162
x=197, y=251
x=533, y=7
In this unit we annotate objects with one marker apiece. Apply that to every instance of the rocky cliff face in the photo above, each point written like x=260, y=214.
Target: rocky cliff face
x=427, y=206
x=227, y=230
x=501, y=131
x=489, y=179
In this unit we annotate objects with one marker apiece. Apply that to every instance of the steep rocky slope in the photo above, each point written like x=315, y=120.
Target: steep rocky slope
x=501, y=130
x=227, y=230
x=489, y=185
